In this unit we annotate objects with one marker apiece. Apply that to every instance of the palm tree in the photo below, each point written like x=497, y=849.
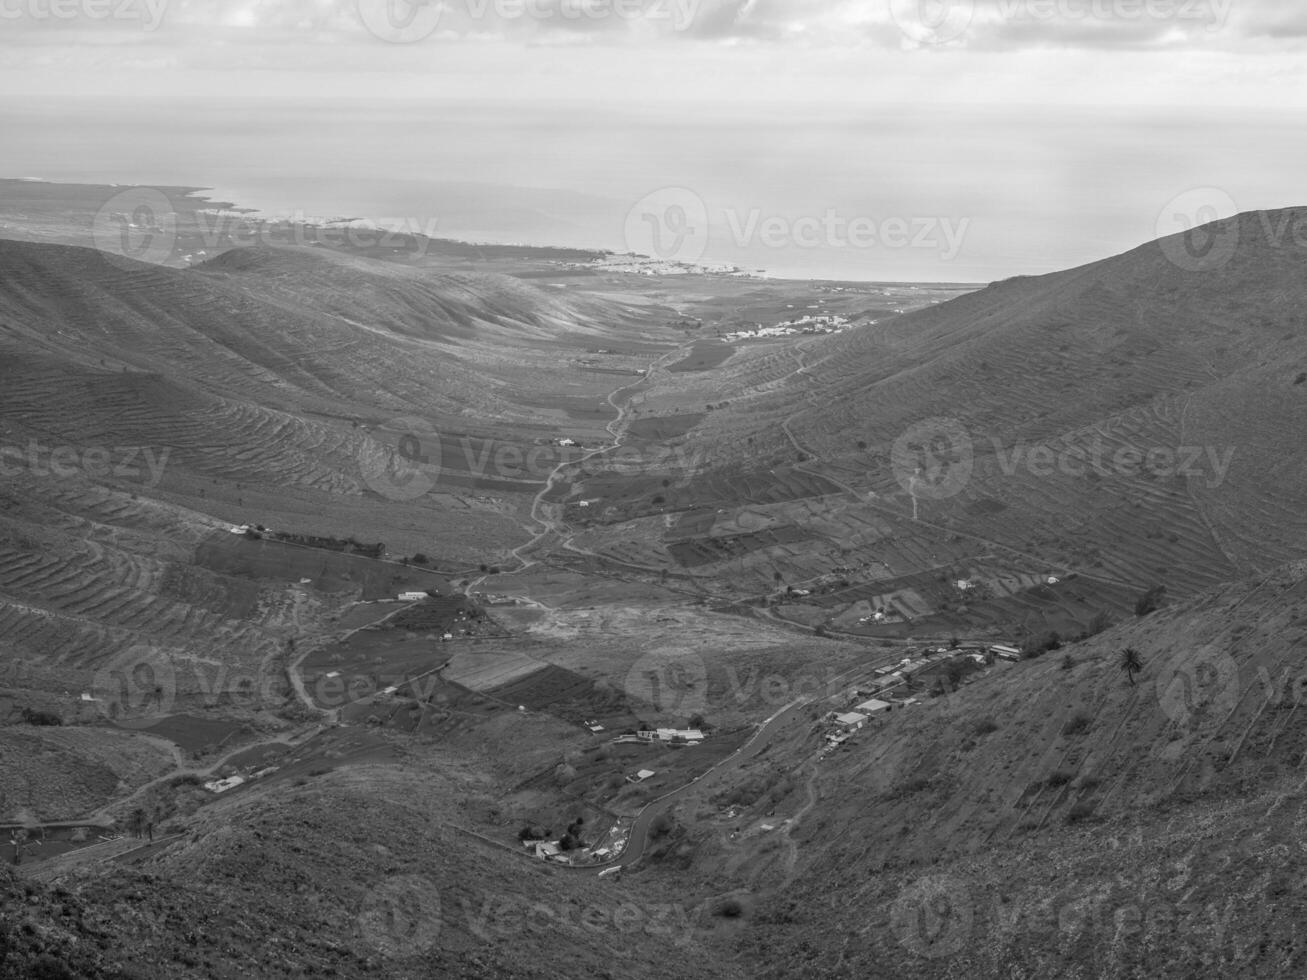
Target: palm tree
x=1130, y=663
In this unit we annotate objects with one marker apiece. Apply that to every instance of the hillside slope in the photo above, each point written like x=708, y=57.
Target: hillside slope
x=1054, y=818
x=1136, y=420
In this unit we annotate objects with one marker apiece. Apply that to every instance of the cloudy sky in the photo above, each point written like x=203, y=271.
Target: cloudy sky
x=871, y=139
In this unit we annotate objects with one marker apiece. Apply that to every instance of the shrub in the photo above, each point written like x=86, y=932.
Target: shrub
x=985, y=726
x=1059, y=778
x=32, y=717
x=729, y=908
x=1076, y=724
x=1036, y=646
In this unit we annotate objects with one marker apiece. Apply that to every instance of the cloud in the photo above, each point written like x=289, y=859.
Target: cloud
x=941, y=25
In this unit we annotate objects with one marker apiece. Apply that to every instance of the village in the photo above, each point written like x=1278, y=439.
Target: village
x=806, y=324
x=896, y=687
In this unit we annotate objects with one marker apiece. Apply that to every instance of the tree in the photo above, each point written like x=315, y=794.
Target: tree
x=1131, y=663
x=954, y=672
x=136, y=822
x=954, y=642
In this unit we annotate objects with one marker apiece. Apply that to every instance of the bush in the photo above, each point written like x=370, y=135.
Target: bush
x=984, y=726
x=729, y=908
x=41, y=717
x=1037, y=646
x=1059, y=778
x=1076, y=724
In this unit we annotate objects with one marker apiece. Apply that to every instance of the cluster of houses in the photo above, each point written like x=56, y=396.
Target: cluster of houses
x=808, y=324
x=681, y=735
x=879, y=701
x=231, y=782
x=552, y=850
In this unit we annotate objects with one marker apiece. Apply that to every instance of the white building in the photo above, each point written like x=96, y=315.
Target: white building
x=874, y=707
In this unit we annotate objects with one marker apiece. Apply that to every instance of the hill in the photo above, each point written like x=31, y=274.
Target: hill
x=1132, y=422
x=1060, y=818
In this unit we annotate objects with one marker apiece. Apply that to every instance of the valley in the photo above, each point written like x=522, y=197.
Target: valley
x=406, y=609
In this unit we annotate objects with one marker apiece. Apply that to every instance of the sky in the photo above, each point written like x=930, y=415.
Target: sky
x=940, y=140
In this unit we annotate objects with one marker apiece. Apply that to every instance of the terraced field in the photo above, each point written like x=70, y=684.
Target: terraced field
x=1097, y=409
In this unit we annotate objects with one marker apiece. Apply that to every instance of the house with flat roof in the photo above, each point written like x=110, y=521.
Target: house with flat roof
x=874, y=707
x=851, y=718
